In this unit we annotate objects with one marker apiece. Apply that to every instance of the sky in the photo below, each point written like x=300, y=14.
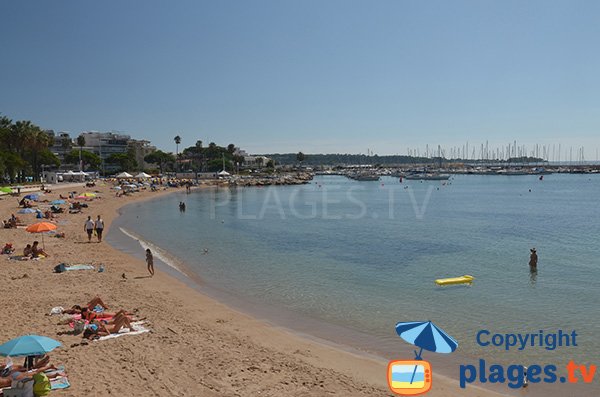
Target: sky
x=326, y=76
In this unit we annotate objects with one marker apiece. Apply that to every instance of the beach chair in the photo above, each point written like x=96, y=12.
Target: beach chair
x=20, y=388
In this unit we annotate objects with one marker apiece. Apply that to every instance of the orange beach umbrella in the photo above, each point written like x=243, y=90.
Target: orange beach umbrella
x=41, y=227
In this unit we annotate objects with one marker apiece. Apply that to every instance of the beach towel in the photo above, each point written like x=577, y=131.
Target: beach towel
x=138, y=328
x=19, y=258
x=63, y=267
x=61, y=382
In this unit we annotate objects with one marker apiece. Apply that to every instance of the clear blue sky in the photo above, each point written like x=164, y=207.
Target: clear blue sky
x=316, y=76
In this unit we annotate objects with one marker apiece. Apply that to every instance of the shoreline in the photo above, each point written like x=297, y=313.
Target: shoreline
x=197, y=344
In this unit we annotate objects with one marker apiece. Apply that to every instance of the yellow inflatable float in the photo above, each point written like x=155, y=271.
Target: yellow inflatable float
x=466, y=279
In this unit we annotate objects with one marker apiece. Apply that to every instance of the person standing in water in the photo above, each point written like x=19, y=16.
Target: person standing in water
x=533, y=259
x=150, y=261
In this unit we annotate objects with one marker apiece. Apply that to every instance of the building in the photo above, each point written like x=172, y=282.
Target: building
x=256, y=161
x=105, y=144
x=140, y=148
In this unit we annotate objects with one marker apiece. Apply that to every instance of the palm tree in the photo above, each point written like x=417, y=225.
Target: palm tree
x=177, y=140
x=81, y=144
x=19, y=134
x=37, y=141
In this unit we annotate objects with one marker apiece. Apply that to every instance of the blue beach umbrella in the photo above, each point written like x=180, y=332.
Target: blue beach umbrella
x=426, y=335
x=58, y=202
x=26, y=211
x=28, y=345
x=33, y=197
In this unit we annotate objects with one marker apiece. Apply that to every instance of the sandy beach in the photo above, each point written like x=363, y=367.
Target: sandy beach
x=196, y=347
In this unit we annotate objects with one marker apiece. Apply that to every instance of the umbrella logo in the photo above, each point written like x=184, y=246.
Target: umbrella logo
x=414, y=377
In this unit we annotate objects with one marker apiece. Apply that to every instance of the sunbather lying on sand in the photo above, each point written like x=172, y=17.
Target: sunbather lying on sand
x=98, y=328
x=91, y=315
x=20, y=374
x=91, y=305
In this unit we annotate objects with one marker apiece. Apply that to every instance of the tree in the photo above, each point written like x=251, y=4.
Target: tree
x=36, y=141
x=159, y=157
x=177, y=140
x=13, y=164
x=270, y=164
x=259, y=162
x=230, y=148
x=47, y=158
x=87, y=158
x=300, y=157
x=66, y=143
x=123, y=160
x=81, y=144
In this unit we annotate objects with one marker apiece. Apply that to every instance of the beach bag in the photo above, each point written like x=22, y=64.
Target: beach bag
x=20, y=388
x=60, y=268
x=41, y=385
x=78, y=327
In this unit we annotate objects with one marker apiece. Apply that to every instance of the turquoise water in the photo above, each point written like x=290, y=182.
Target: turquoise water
x=364, y=255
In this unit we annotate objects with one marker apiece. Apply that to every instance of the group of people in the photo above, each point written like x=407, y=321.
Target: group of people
x=39, y=364
x=25, y=203
x=12, y=222
x=97, y=321
x=90, y=226
x=34, y=251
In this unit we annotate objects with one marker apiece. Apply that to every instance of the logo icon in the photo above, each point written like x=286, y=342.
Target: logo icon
x=414, y=377
x=409, y=377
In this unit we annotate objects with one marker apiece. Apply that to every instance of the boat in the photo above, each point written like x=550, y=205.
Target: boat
x=366, y=177
x=466, y=279
x=427, y=177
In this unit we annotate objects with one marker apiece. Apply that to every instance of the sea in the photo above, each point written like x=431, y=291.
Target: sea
x=344, y=261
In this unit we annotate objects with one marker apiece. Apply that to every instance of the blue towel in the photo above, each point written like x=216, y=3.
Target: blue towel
x=61, y=382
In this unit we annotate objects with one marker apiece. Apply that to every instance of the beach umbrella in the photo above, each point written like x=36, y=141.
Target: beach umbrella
x=33, y=197
x=6, y=190
x=28, y=345
x=41, y=227
x=124, y=175
x=426, y=335
x=117, y=188
x=58, y=202
x=26, y=211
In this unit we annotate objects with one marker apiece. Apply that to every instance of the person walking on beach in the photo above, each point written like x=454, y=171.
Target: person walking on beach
x=89, y=228
x=99, y=226
x=533, y=259
x=150, y=262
